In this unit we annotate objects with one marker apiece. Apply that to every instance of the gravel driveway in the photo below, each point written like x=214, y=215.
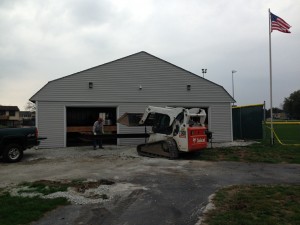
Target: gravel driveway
x=146, y=191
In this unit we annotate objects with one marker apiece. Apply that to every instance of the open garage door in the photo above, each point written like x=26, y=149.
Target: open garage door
x=80, y=121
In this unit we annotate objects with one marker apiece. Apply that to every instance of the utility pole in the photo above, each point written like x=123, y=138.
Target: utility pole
x=233, y=71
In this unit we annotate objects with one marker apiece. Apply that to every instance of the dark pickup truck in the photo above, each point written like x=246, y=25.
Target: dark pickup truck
x=13, y=141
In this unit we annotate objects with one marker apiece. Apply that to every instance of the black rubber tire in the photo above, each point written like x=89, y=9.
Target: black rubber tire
x=12, y=153
x=173, y=150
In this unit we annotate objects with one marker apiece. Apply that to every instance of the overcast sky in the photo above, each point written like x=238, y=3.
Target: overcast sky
x=42, y=40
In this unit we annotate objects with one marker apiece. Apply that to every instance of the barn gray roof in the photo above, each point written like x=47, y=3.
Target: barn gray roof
x=140, y=77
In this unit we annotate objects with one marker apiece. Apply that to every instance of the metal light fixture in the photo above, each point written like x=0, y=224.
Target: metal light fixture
x=204, y=71
x=91, y=85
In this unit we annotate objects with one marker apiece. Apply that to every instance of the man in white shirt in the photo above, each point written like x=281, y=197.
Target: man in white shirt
x=97, y=130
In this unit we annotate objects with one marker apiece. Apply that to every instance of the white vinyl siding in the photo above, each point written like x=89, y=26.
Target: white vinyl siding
x=119, y=81
x=117, y=84
x=220, y=123
x=51, y=124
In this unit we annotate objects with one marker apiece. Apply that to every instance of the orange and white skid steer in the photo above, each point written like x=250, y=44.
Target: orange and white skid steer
x=174, y=130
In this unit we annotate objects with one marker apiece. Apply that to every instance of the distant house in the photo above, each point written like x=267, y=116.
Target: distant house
x=71, y=104
x=9, y=116
x=27, y=118
x=280, y=116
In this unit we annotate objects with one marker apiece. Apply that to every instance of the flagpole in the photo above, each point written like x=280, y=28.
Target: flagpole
x=271, y=94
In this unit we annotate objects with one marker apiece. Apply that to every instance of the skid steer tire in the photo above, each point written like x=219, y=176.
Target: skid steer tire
x=173, y=150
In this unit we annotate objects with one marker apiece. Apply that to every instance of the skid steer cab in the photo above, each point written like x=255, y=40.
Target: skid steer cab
x=174, y=130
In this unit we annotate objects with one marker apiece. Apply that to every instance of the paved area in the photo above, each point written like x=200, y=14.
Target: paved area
x=146, y=191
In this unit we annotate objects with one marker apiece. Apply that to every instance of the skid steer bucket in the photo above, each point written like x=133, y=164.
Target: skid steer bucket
x=130, y=119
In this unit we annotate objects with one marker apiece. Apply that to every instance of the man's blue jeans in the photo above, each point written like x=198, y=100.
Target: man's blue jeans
x=97, y=140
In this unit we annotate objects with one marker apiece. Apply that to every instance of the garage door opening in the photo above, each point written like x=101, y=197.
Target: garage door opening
x=80, y=121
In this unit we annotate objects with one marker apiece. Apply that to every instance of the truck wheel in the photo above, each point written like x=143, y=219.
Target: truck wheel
x=13, y=153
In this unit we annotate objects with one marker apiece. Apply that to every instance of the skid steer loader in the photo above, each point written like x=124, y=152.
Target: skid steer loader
x=174, y=130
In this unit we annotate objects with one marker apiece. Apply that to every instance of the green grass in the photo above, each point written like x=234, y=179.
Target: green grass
x=44, y=187
x=287, y=133
x=253, y=205
x=253, y=153
x=23, y=210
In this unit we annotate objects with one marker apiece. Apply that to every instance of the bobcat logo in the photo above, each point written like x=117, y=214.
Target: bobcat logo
x=198, y=140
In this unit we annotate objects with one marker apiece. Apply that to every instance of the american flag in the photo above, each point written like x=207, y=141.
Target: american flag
x=279, y=24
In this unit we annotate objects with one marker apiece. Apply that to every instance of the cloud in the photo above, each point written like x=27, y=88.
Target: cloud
x=45, y=40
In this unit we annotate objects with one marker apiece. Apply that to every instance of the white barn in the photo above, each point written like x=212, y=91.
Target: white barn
x=72, y=103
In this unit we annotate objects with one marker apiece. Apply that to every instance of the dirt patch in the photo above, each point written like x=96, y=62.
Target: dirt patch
x=83, y=186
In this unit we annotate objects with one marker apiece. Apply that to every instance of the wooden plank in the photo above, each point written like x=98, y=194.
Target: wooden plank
x=89, y=129
x=107, y=128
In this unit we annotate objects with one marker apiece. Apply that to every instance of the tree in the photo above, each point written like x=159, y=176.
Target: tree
x=30, y=106
x=291, y=105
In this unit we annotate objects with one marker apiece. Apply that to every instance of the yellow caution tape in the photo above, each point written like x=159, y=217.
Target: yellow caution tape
x=244, y=106
x=280, y=142
x=290, y=123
